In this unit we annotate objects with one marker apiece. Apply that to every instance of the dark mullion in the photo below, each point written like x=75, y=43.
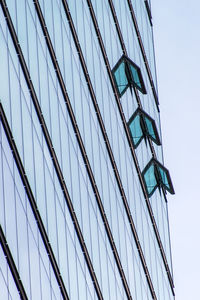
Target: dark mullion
x=117, y=27
x=148, y=12
x=130, y=143
x=33, y=204
x=169, y=234
x=12, y=266
x=56, y=166
x=93, y=97
x=143, y=52
x=82, y=148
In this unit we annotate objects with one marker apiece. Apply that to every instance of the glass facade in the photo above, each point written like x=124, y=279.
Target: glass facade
x=83, y=207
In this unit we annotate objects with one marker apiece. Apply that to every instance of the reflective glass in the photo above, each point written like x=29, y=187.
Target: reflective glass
x=136, y=130
x=136, y=79
x=150, y=180
x=150, y=128
x=37, y=160
x=164, y=177
x=121, y=79
x=126, y=73
x=156, y=175
x=141, y=125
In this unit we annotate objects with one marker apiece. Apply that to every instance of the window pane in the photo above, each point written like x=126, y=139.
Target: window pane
x=166, y=180
x=142, y=125
x=120, y=78
x=127, y=73
x=136, y=130
x=150, y=128
x=150, y=180
x=155, y=175
x=164, y=177
x=135, y=76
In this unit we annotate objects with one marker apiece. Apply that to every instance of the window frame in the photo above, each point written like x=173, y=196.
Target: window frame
x=158, y=177
x=127, y=61
x=144, y=127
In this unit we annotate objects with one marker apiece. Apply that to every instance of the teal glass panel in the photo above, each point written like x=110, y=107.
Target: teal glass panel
x=164, y=177
x=150, y=128
x=150, y=179
x=136, y=130
x=135, y=76
x=121, y=79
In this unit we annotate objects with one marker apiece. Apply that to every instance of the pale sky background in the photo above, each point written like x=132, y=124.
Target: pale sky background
x=177, y=46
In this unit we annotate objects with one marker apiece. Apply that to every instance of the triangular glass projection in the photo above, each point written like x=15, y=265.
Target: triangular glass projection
x=156, y=175
x=127, y=74
x=141, y=125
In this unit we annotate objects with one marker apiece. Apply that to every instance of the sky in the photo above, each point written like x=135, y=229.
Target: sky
x=176, y=26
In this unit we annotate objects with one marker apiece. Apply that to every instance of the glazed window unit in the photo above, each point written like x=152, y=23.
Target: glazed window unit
x=155, y=176
x=127, y=74
x=141, y=125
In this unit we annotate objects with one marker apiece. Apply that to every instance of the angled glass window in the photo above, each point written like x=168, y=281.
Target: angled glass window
x=141, y=125
x=135, y=76
x=156, y=175
x=127, y=74
x=121, y=78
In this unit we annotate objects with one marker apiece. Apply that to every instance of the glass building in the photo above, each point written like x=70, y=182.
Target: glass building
x=83, y=207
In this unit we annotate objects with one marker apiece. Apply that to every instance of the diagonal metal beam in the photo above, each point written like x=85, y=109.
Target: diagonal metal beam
x=12, y=266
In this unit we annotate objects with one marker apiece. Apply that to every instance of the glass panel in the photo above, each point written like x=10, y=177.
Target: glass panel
x=164, y=177
x=121, y=79
x=136, y=130
x=150, y=180
x=140, y=125
x=156, y=175
x=135, y=75
x=150, y=128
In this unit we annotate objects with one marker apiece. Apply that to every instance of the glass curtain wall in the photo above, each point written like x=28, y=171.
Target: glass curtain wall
x=79, y=125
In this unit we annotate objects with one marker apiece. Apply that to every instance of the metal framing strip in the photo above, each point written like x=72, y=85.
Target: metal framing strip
x=148, y=12
x=143, y=52
x=109, y=149
x=12, y=266
x=150, y=142
x=33, y=204
x=130, y=142
x=56, y=166
x=81, y=146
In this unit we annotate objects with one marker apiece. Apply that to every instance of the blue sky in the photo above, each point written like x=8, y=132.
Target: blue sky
x=177, y=46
